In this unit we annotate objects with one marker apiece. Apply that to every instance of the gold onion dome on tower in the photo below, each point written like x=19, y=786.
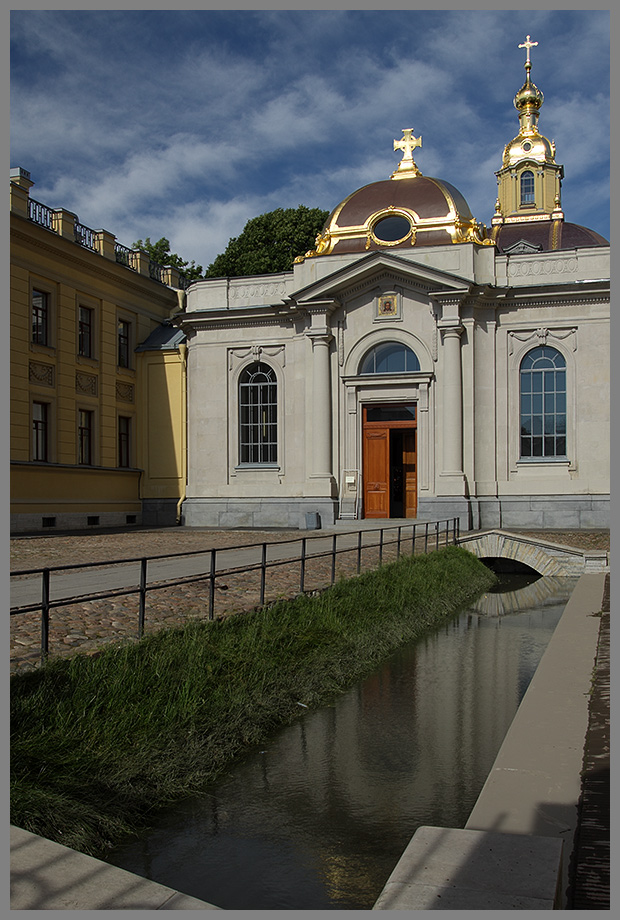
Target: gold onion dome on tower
x=529, y=143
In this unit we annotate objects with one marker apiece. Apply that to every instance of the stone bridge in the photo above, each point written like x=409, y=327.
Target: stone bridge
x=544, y=557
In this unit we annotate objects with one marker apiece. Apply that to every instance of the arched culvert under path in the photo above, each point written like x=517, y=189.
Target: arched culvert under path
x=541, y=556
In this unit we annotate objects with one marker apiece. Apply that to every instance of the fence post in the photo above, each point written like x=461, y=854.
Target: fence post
x=142, y=607
x=398, y=544
x=45, y=614
x=381, y=546
x=359, y=551
x=426, y=538
x=263, y=571
x=302, y=573
x=437, y=535
x=334, y=538
x=413, y=541
x=212, y=585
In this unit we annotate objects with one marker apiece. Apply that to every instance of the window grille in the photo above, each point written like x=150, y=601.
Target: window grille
x=258, y=415
x=543, y=404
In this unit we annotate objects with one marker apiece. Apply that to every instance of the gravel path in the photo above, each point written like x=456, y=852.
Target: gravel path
x=88, y=626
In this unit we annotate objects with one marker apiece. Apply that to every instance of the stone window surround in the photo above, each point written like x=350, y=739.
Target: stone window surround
x=518, y=346
x=238, y=359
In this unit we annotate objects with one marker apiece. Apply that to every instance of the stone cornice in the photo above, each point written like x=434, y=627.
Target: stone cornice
x=104, y=268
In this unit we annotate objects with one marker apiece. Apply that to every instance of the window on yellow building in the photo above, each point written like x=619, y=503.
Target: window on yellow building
x=85, y=436
x=124, y=340
x=124, y=441
x=40, y=431
x=40, y=318
x=85, y=332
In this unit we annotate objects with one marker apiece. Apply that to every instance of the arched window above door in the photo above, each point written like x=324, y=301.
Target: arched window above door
x=389, y=358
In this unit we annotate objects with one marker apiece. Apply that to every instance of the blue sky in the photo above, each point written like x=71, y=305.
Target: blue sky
x=186, y=124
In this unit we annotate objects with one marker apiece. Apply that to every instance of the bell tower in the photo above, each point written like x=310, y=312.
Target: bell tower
x=529, y=181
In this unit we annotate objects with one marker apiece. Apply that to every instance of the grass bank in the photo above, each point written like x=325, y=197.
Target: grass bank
x=98, y=743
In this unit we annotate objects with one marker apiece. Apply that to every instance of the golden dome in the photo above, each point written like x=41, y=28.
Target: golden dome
x=528, y=95
x=529, y=145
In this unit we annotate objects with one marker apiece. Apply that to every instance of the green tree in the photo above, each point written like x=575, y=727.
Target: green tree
x=269, y=243
x=160, y=253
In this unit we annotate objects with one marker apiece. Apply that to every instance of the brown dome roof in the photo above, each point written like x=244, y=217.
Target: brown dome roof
x=398, y=214
x=546, y=235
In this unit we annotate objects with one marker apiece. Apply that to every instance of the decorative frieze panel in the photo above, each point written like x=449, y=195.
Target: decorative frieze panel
x=257, y=353
x=86, y=383
x=125, y=392
x=264, y=291
x=542, y=336
x=41, y=374
x=535, y=268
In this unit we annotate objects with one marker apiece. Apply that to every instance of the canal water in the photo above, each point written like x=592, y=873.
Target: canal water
x=319, y=815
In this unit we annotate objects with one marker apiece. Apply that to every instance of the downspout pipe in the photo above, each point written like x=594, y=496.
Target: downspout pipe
x=183, y=357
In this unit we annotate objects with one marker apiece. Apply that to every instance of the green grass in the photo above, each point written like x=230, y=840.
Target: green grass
x=100, y=742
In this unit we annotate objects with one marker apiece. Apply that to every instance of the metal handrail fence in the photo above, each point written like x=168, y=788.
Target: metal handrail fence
x=435, y=533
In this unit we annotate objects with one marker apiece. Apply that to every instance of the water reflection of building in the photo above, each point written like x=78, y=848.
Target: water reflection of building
x=414, y=742
x=543, y=592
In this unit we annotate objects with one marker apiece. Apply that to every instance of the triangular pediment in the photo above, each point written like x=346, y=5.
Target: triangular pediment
x=521, y=247
x=370, y=270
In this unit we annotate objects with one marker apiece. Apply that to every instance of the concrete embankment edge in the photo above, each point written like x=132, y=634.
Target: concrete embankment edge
x=518, y=840
x=48, y=876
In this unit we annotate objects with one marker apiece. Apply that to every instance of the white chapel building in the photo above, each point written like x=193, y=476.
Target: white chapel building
x=414, y=365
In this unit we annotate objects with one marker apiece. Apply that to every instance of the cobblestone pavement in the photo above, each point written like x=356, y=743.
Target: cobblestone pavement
x=591, y=869
x=88, y=626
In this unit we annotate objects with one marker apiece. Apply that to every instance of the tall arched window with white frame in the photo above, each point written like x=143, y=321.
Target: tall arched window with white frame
x=543, y=404
x=258, y=414
x=528, y=195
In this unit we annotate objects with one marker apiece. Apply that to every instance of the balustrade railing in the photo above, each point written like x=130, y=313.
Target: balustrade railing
x=40, y=214
x=412, y=538
x=125, y=256
x=44, y=216
x=85, y=237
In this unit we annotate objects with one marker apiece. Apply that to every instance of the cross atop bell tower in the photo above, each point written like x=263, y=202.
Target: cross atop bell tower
x=407, y=167
x=527, y=44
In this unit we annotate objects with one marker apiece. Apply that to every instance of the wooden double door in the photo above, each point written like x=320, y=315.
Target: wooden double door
x=389, y=458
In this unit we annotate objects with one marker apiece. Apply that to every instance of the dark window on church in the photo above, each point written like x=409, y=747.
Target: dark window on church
x=389, y=358
x=258, y=415
x=527, y=188
x=392, y=229
x=543, y=404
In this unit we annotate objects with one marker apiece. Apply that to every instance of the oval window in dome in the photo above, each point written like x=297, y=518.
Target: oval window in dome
x=392, y=229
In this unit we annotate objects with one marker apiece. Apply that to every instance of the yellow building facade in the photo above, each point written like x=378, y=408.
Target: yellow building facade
x=97, y=376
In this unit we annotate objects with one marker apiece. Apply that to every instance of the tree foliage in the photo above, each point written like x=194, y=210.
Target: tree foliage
x=269, y=243
x=160, y=253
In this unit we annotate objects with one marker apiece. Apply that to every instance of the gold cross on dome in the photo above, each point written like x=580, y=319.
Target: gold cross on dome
x=527, y=44
x=408, y=143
